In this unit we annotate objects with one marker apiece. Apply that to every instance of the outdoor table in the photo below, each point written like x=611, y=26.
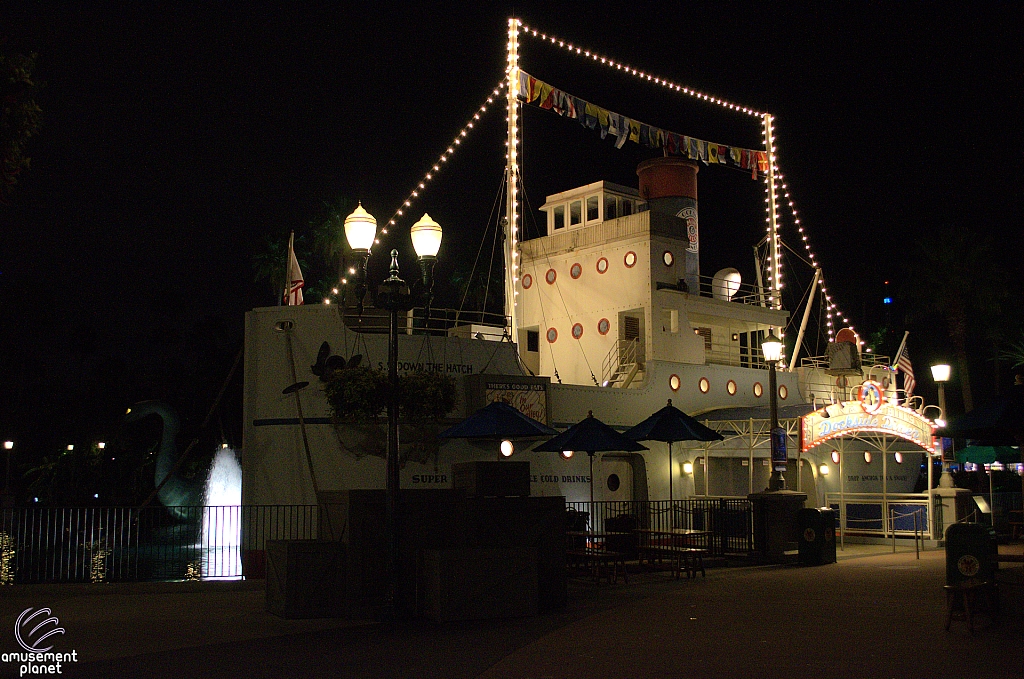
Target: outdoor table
x=677, y=544
x=588, y=548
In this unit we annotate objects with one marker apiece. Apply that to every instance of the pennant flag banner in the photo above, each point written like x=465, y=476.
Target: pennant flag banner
x=623, y=129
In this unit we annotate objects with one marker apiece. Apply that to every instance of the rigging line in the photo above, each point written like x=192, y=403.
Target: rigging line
x=499, y=235
x=797, y=254
x=805, y=295
x=483, y=239
x=561, y=298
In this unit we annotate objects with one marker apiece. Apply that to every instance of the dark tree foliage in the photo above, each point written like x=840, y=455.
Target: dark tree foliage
x=20, y=118
x=955, y=279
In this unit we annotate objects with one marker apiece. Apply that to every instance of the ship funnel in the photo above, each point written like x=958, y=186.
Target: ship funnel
x=669, y=185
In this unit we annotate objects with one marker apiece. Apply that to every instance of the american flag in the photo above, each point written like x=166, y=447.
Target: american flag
x=293, y=291
x=903, y=363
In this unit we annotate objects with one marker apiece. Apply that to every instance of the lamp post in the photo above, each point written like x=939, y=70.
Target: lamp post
x=771, y=347
x=394, y=296
x=940, y=373
x=6, y=495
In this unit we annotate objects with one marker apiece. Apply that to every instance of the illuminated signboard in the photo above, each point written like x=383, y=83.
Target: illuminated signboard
x=528, y=398
x=852, y=417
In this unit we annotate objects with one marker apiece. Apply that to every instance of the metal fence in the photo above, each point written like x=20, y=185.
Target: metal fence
x=127, y=544
x=109, y=544
x=730, y=520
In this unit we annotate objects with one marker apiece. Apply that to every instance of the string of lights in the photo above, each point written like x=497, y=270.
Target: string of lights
x=626, y=68
x=421, y=186
x=832, y=310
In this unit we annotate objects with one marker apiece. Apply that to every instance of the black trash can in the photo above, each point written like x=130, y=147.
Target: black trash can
x=627, y=542
x=969, y=551
x=817, y=528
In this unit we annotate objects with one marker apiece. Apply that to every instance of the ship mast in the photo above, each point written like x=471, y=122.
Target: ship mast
x=511, y=239
x=774, y=269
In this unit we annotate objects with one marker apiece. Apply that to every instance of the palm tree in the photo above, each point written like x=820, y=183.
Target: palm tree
x=321, y=249
x=269, y=263
x=955, y=278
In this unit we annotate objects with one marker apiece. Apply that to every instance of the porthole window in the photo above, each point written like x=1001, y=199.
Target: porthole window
x=576, y=270
x=704, y=385
x=550, y=276
x=674, y=382
x=552, y=335
x=629, y=260
x=730, y=387
x=835, y=457
x=758, y=389
x=614, y=482
x=602, y=265
x=783, y=392
x=527, y=282
x=577, y=330
x=603, y=326
x=668, y=258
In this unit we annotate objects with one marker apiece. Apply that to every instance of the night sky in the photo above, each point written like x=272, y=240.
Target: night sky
x=176, y=136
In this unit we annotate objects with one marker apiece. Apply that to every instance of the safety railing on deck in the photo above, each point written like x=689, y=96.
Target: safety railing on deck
x=878, y=515
x=448, y=322
x=107, y=544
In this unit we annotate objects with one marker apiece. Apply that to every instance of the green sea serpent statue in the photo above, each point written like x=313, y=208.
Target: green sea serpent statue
x=176, y=493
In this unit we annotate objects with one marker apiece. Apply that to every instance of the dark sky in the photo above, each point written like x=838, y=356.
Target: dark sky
x=177, y=134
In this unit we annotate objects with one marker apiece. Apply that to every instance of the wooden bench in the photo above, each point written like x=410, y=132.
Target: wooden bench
x=599, y=561
x=684, y=559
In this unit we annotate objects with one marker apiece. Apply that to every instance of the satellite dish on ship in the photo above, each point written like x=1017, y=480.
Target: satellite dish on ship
x=725, y=284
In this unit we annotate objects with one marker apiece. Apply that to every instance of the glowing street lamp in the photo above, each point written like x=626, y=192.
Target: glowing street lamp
x=9, y=447
x=940, y=373
x=771, y=348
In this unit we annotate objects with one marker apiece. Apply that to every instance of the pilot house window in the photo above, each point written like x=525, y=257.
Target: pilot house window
x=558, y=216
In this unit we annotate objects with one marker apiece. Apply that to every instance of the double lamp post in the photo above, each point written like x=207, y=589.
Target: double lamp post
x=393, y=296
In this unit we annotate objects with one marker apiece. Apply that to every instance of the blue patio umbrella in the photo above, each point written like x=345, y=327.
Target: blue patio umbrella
x=670, y=424
x=593, y=436
x=498, y=420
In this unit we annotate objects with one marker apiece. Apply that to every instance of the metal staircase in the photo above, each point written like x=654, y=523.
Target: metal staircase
x=622, y=365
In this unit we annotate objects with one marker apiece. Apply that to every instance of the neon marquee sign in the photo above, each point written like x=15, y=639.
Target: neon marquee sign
x=870, y=413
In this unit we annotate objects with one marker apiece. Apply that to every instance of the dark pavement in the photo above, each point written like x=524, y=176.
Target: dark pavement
x=873, y=614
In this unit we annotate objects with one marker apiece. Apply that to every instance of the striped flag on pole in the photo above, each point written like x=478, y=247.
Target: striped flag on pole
x=904, y=364
x=293, y=289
